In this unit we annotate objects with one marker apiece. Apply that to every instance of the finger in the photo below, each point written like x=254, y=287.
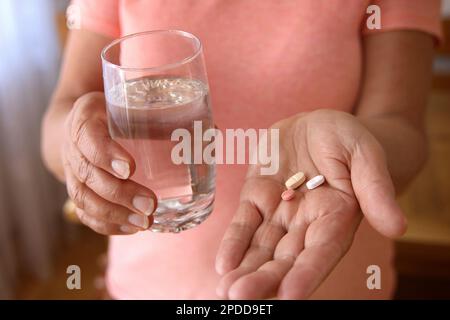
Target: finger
x=263, y=244
x=309, y=270
x=237, y=237
x=292, y=243
x=89, y=132
x=261, y=284
x=123, y=192
x=97, y=207
x=260, y=197
x=374, y=189
x=260, y=251
x=103, y=227
x=327, y=240
x=228, y=279
x=264, y=282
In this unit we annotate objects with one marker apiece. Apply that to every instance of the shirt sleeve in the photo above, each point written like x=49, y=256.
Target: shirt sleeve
x=100, y=16
x=421, y=15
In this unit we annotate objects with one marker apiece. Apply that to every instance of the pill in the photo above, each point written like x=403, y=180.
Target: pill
x=315, y=182
x=295, y=181
x=288, y=194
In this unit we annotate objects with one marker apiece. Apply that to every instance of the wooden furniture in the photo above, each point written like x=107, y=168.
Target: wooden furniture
x=441, y=81
x=423, y=254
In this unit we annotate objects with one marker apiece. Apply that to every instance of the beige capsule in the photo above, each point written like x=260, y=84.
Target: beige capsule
x=295, y=181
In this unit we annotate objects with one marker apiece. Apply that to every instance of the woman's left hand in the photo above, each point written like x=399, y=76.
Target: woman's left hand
x=287, y=248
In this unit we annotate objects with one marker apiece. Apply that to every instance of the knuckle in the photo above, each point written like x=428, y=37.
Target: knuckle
x=78, y=131
x=84, y=111
x=98, y=227
x=114, y=192
x=238, y=227
x=107, y=213
x=82, y=216
x=96, y=155
x=88, y=100
x=77, y=192
x=91, y=222
x=85, y=170
x=101, y=228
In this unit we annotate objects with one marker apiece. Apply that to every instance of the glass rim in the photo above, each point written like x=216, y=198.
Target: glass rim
x=181, y=62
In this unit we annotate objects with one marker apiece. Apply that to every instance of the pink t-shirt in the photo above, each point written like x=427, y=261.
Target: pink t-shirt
x=266, y=60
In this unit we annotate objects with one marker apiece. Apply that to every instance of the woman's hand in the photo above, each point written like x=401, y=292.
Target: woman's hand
x=287, y=248
x=96, y=171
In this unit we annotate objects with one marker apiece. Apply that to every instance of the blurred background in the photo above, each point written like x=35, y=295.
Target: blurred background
x=38, y=242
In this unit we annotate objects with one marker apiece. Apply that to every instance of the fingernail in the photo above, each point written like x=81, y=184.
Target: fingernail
x=144, y=204
x=138, y=220
x=122, y=168
x=127, y=229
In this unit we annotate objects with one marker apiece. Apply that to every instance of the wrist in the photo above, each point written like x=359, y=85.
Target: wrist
x=405, y=146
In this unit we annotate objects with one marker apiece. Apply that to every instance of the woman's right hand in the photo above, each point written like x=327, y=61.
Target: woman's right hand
x=97, y=169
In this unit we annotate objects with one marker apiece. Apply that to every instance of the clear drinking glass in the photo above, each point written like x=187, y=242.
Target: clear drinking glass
x=155, y=82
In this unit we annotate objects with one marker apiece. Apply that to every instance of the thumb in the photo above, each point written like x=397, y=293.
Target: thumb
x=374, y=188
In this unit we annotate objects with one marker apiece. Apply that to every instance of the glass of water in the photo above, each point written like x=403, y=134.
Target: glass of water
x=155, y=83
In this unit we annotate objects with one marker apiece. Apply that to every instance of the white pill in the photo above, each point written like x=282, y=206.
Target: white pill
x=315, y=182
x=295, y=181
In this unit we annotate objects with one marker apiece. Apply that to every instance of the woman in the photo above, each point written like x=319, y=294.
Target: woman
x=350, y=100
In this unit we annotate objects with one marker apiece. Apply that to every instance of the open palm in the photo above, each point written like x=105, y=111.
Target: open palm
x=287, y=248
